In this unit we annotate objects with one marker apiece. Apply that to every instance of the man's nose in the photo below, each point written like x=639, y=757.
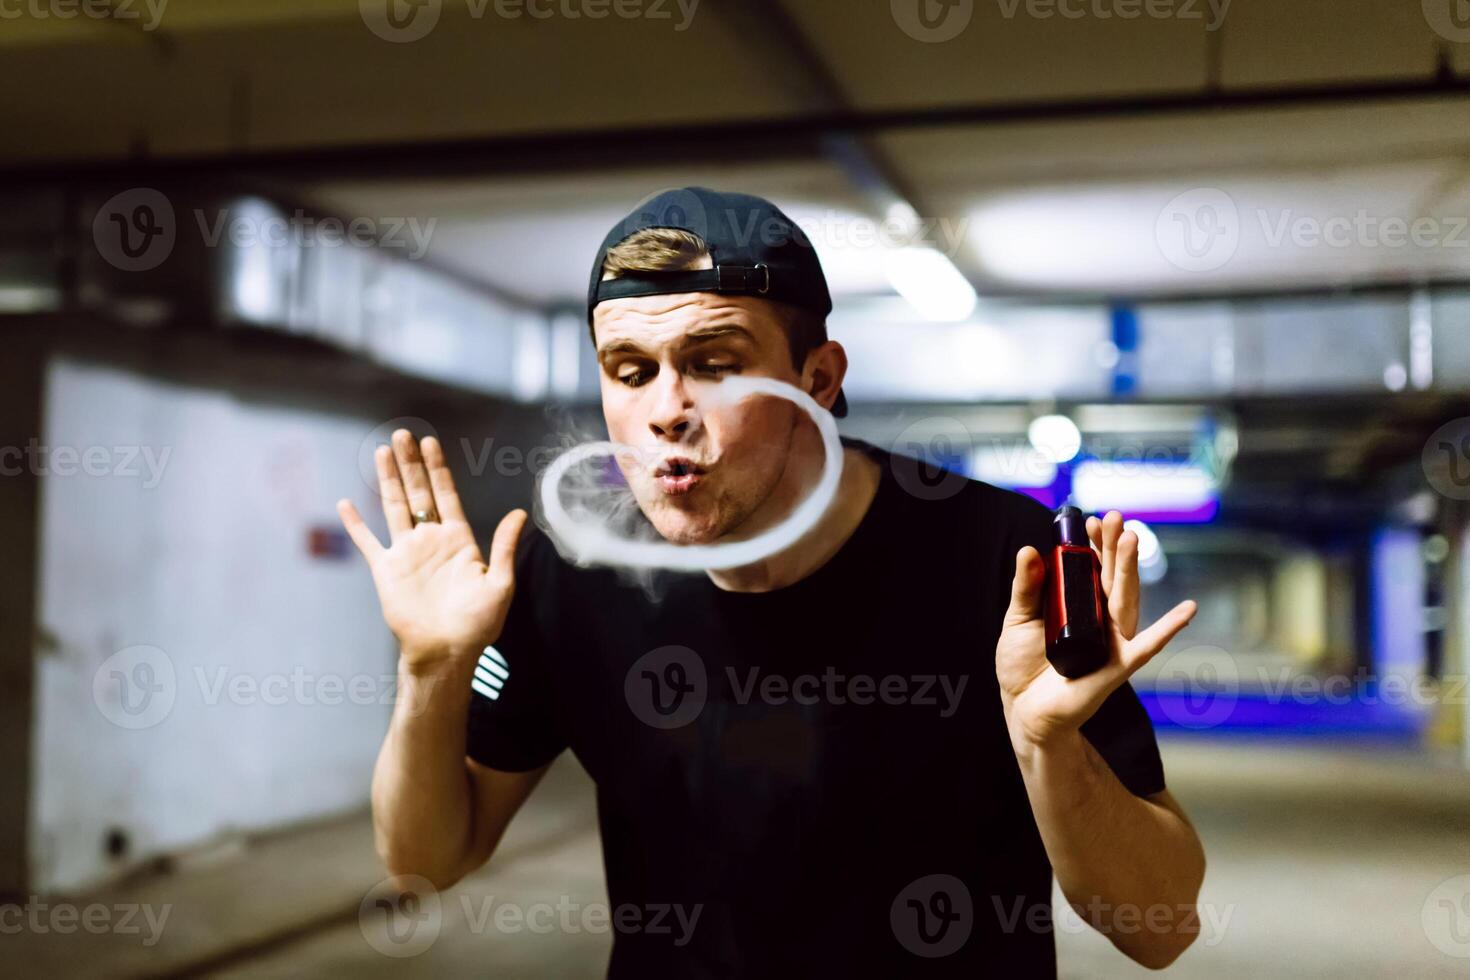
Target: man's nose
x=674, y=415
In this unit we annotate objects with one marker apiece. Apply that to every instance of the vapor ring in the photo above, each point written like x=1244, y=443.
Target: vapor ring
x=590, y=543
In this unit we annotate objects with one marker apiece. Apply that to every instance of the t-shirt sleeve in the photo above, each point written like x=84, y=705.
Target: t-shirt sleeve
x=511, y=721
x=1123, y=735
x=1120, y=730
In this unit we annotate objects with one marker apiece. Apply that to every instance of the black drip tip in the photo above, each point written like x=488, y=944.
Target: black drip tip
x=1071, y=526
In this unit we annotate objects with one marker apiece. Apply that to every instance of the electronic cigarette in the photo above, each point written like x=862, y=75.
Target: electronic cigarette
x=1076, y=611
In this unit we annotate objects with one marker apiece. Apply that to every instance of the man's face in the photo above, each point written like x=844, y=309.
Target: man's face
x=701, y=470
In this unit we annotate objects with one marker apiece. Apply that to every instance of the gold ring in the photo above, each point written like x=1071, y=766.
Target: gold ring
x=424, y=517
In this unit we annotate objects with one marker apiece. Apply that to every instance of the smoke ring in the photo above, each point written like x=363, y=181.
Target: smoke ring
x=590, y=543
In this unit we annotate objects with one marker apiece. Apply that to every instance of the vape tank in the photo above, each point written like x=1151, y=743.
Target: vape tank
x=1076, y=609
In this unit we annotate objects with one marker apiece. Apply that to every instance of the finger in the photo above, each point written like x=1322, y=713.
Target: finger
x=395, y=499
x=1123, y=596
x=1026, y=587
x=1094, y=533
x=367, y=542
x=503, y=546
x=1143, y=647
x=446, y=498
x=415, y=476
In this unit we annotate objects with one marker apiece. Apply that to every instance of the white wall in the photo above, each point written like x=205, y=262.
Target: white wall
x=210, y=568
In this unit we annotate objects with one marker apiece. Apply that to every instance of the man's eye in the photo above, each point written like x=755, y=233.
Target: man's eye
x=715, y=367
x=635, y=378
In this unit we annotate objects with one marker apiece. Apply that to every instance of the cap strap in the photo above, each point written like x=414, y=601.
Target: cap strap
x=722, y=279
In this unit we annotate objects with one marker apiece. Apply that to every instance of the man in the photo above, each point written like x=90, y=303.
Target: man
x=851, y=757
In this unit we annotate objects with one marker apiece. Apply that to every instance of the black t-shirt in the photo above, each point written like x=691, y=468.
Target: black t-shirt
x=815, y=780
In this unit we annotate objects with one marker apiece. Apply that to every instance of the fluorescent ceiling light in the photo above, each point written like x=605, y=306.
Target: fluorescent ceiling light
x=931, y=283
x=1015, y=465
x=29, y=299
x=1055, y=436
x=1134, y=485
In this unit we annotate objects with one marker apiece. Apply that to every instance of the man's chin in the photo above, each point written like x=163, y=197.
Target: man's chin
x=685, y=534
x=687, y=528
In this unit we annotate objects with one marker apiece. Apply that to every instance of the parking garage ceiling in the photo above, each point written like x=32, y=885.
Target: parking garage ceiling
x=1051, y=142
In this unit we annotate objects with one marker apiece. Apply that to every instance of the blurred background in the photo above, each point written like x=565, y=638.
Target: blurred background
x=1207, y=263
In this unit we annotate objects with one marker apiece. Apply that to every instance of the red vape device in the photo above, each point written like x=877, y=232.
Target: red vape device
x=1076, y=610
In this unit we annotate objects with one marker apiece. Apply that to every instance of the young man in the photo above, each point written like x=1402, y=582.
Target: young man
x=852, y=757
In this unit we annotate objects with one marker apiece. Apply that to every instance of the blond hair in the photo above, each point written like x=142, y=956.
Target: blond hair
x=676, y=250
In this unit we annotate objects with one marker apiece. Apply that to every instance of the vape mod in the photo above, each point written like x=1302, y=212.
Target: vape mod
x=1076, y=611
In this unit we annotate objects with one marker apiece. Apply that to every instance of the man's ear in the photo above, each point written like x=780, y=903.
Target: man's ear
x=822, y=376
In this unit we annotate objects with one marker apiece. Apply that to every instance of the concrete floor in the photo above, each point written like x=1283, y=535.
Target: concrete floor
x=1323, y=862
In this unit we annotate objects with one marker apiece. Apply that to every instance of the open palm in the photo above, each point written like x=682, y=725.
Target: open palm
x=439, y=595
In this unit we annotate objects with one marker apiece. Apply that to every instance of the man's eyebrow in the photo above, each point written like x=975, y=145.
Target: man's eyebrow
x=699, y=335
x=618, y=347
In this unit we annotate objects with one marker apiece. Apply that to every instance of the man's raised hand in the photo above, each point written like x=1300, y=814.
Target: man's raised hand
x=1040, y=703
x=439, y=596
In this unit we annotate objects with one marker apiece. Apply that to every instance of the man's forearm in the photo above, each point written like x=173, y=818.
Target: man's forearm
x=422, y=799
x=1130, y=866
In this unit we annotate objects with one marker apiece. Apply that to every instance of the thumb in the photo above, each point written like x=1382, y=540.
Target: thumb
x=1026, y=587
x=503, y=546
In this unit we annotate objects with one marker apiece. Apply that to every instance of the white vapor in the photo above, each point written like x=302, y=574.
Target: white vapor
x=587, y=537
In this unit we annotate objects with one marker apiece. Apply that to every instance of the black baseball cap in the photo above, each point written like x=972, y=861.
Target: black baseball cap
x=756, y=250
